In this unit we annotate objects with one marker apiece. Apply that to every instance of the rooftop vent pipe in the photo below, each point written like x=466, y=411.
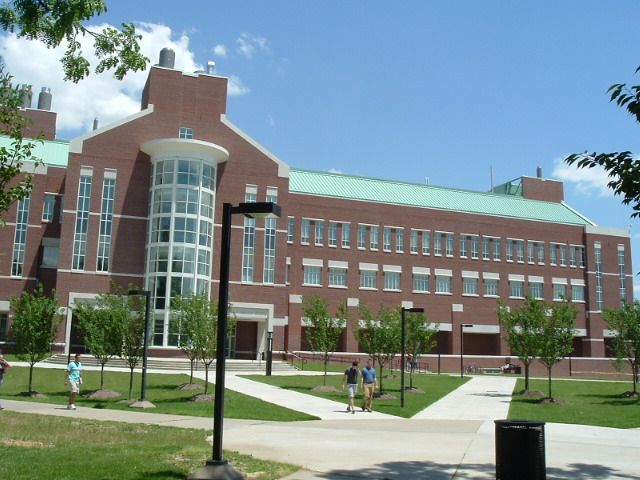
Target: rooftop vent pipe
x=44, y=99
x=95, y=123
x=25, y=96
x=211, y=67
x=167, y=58
x=539, y=172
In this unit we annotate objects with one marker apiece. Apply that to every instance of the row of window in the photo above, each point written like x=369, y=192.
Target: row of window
x=473, y=283
x=312, y=231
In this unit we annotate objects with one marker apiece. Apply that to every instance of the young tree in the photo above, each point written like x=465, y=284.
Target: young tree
x=133, y=333
x=520, y=325
x=102, y=326
x=380, y=335
x=420, y=339
x=187, y=317
x=34, y=325
x=52, y=23
x=555, y=336
x=625, y=322
x=323, y=332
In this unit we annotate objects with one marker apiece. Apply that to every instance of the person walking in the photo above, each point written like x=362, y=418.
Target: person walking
x=73, y=377
x=350, y=379
x=4, y=366
x=368, y=386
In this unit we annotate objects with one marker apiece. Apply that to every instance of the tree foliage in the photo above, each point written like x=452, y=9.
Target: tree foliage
x=625, y=323
x=323, y=331
x=133, y=309
x=622, y=168
x=420, y=339
x=33, y=327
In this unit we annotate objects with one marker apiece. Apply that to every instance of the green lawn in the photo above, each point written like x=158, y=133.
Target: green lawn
x=161, y=390
x=56, y=448
x=580, y=402
x=434, y=387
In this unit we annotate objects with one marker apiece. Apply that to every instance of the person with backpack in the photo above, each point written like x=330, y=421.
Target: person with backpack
x=4, y=366
x=350, y=379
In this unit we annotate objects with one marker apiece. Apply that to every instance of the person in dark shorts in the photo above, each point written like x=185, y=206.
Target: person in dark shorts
x=350, y=379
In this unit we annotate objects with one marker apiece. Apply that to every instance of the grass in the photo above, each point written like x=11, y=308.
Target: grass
x=579, y=402
x=434, y=386
x=55, y=448
x=161, y=390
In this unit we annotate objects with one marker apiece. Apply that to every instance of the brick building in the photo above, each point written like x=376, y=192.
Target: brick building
x=140, y=201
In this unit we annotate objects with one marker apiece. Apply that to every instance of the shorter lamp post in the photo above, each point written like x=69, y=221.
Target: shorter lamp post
x=269, y=353
x=218, y=468
x=143, y=403
x=404, y=347
x=462, y=327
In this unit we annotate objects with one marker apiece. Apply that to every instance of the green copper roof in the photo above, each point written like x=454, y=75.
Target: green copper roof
x=52, y=152
x=416, y=195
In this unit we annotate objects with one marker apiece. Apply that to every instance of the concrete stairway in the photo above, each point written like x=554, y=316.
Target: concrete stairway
x=231, y=365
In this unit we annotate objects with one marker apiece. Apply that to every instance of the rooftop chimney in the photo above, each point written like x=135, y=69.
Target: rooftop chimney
x=167, y=58
x=95, y=123
x=25, y=96
x=44, y=99
x=211, y=67
x=539, y=172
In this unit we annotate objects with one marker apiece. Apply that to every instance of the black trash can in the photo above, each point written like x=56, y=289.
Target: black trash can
x=520, y=450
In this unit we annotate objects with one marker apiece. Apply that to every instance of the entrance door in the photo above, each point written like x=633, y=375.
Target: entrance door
x=246, y=340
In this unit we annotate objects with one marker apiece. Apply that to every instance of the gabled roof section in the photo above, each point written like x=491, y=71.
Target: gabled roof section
x=51, y=152
x=326, y=184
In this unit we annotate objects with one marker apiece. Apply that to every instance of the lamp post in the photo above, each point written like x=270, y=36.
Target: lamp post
x=217, y=468
x=269, y=353
x=462, y=326
x=143, y=403
x=404, y=347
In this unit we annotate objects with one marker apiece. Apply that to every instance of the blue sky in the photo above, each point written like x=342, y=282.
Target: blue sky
x=400, y=90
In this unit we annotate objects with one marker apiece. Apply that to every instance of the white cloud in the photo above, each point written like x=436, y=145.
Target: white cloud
x=220, y=51
x=249, y=44
x=334, y=170
x=98, y=96
x=588, y=181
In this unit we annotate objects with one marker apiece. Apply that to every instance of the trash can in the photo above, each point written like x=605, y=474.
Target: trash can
x=520, y=450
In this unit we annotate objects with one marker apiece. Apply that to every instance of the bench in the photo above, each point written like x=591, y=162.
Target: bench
x=516, y=369
x=491, y=370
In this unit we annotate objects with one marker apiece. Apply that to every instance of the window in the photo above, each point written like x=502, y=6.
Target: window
x=531, y=249
x=305, y=231
x=270, y=229
x=291, y=225
x=475, y=247
x=443, y=284
x=469, y=286
x=580, y=252
x=421, y=282
x=319, y=232
x=517, y=288
x=496, y=249
x=623, y=278
x=437, y=243
x=185, y=132
x=346, y=235
x=48, y=207
x=392, y=281
x=362, y=236
x=337, y=277
x=463, y=246
x=491, y=287
x=20, y=238
x=311, y=275
x=572, y=256
x=206, y=205
x=399, y=240
x=249, y=238
x=50, y=254
x=186, y=201
x=386, y=239
x=552, y=253
x=577, y=293
x=82, y=220
x=333, y=234
x=426, y=243
x=559, y=291
x=486, y=245
x=449, y=244
x=563, y=255
x=106, y=221
x=368, y=279
x=541, y=253
x=520, y=251
x=184, y=230
x=536, y=290
x=373, y=238
x=188, y=173
x=509, y=248
x=413, y=241
x=597, y=251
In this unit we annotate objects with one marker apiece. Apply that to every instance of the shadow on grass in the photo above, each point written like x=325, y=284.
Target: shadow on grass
x=445, y=471
x=162, y=474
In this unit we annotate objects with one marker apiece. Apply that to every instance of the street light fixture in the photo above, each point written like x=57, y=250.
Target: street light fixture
x=143, y=403
x=462, y=326
x=217, y=468
x=404, y=348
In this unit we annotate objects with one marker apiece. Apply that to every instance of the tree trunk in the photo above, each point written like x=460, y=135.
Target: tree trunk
x=30, y=375
x=526, y=376
x=634, y=374
x=102, y=374
x=381, y=366
x=131, y=385
x=549, y=378
x=411, y=376
x=326, y=360
x=191, y=376
x=206, y=378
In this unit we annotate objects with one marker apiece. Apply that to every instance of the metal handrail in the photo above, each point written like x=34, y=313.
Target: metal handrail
x=294, y=356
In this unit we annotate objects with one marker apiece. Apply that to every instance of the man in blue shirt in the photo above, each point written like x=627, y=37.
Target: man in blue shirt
x=368, y=385
x=73, y=377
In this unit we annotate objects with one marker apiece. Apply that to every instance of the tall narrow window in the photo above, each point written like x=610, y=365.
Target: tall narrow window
x=413, y=241
x=399, y=240
x=597, y=251
x=475, y=241
x=319, y=232
x=509, y=252
x=520, y=250
x=249, y=238
x=463, y=246
x=270, y=228
x=305, y=231
x=333, y=234
x=106, y=221
x=449, y=244
x=486, y=247
x=563, y=255
x=82, y=220
x=531, y=250
x=437, y=243
x=373, y=238
x=291, y=226
x=496, y=249
x=346, y=235
x=20, y=239
x=623, y=277
x=48, y=207
x=362, y=236
x=540, y=252
x=572, y=256
x=386, y=239
x=553, y=254
x=426, y=243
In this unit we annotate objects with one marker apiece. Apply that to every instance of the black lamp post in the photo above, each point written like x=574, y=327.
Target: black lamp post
x=462, y=326
x=404, y=348
x=217, y=468
x=269, y=353
x=143, y=403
